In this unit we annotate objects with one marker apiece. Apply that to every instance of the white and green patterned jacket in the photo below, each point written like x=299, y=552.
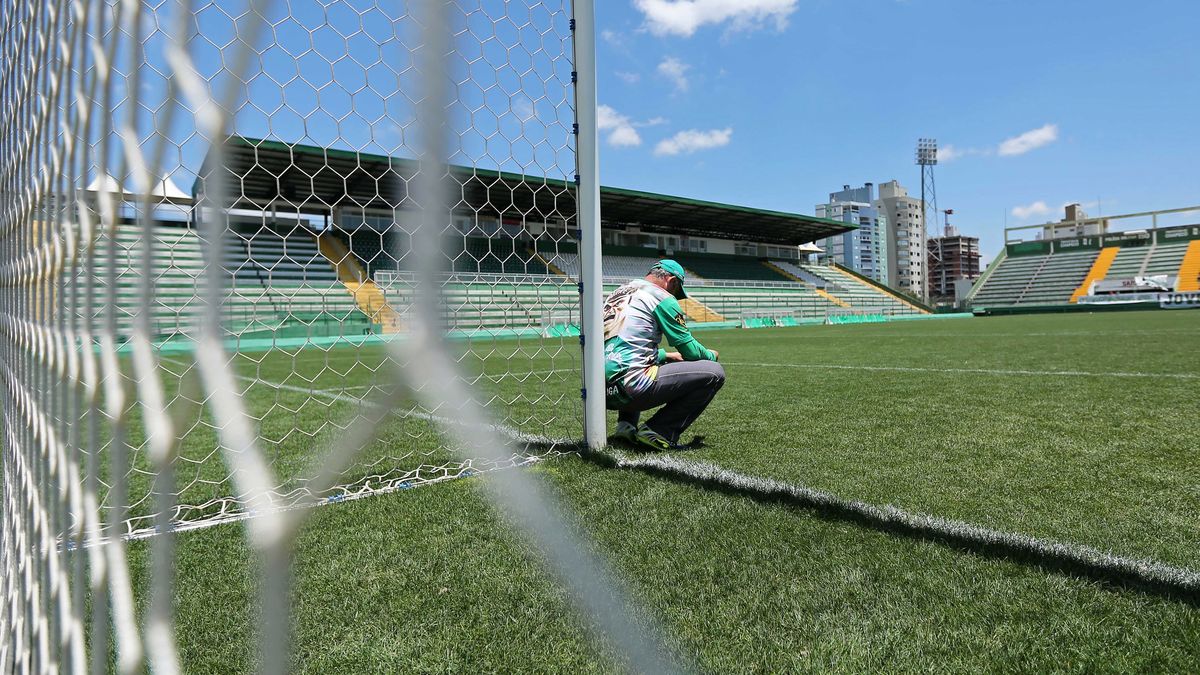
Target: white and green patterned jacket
x=636, y=316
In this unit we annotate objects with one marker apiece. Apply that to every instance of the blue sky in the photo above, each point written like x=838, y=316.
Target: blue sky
x=780, y=102
x=767, y=103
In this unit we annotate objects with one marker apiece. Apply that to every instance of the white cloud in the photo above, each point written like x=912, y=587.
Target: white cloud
x=652, y=122
x=1038, y=208
x=949, y=153
x=620, y=129
x=628, y=78
x=676, y=71
x=522, y=107
x=692, y=140
x=684, y=17
x=1030, y=140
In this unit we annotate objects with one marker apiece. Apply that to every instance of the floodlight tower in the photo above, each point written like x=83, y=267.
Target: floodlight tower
x=927, y=152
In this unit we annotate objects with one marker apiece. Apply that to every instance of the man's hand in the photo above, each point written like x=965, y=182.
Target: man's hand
x=673, y=356
x=716, y=354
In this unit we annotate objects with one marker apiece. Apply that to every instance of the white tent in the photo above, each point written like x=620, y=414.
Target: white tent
x=105, y=183
x=167, y=189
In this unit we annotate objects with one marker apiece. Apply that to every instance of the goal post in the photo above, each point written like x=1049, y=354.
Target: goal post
x=591, y=263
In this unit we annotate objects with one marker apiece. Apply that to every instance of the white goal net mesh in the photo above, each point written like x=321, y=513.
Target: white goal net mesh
x=263, y=255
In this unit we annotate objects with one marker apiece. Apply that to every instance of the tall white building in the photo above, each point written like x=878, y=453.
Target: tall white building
x=907, y=259
x=865, y=249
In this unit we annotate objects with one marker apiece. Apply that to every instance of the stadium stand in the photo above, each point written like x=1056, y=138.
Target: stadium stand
x=1128, y=263
x=283, y=286
x=470, y=255
x=1164, y=259
x=496, y=309
x=1098, y=271
x=738, y=303
x=481, y=255
x=722, y=266
x=1189, y=269
x=620, y=262
x=846, y=290
x=615, y=266
x=177, y=269
x=291, y=281
x=1035, y=279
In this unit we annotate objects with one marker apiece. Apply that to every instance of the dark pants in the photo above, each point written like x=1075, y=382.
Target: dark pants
x=685, y=387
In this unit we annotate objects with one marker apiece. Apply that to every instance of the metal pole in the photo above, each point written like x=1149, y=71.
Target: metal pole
x=591, y=282
x=924, y=292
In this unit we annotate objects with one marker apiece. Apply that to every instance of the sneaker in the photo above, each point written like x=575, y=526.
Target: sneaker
x=654, y=440
x=626, y=432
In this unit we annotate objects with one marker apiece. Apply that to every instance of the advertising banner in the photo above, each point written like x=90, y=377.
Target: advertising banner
x=1076, y=244
x=1029, y=248
x=1127, y=239
x=1189, y=300
x=1176, y=234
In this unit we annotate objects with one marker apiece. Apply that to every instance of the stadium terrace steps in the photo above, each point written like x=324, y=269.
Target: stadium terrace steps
x=721, y=266
x=1100, y=268
x=484, y=308
x=802, y=274
x=737, y=303
x=698, y=312
x=469, y=255
x=366, y=293
x=832, y=298
x=847, y=288
x=1189, y=269
x=250, y=302
x=880, y=289
x=1128, y=262
x=1048, y=279
x=554, y=269
x=622, y=266
x=780, y=270
x=1165, y=259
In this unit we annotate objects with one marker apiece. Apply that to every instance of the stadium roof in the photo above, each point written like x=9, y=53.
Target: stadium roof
x=315, y=180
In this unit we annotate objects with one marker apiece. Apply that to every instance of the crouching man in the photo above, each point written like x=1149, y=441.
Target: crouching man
x=640, y=376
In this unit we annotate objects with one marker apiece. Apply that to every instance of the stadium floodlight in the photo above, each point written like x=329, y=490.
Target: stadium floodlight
x=368, y=178
x=927, y=152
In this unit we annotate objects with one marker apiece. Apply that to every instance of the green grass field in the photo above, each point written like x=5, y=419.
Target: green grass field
x=1077, y=428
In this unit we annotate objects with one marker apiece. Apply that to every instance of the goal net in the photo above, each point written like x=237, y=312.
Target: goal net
x=256, y=256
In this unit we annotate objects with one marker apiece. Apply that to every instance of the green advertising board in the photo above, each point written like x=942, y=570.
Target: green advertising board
x=1171, y=235
x=1127, y=239
x=1076, y=244
x=1029, y=248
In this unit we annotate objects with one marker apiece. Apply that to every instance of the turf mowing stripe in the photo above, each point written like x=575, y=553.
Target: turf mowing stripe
x=1176, y=582
x=973, y=371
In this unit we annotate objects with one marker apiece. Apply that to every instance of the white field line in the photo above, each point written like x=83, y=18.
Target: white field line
x=1143, y=570
x=967, y=371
